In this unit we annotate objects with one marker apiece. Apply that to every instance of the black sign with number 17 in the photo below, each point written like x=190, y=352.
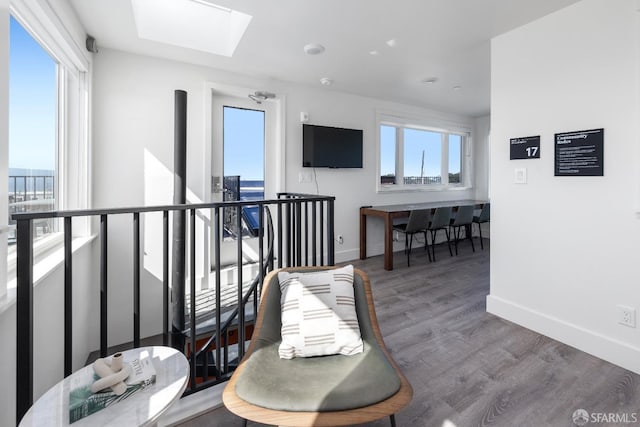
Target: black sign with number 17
x=527, y=147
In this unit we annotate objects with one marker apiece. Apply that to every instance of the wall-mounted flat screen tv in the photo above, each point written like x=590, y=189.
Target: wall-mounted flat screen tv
x=329, y=147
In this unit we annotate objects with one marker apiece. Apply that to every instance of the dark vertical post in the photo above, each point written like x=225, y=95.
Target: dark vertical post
x=306, y=233
x=289, y=233
x=298, y=231
x=24, y=318
x=280, y=241
x=103, y=285
x=314, y=207
x=241, y=312
x=192, y=296
x=136, y=279
x=68, y=306
x=261, y=272
x=216, y=242
x=330, y=234
x=321, y=233
x=165, y=278
x=179, y=220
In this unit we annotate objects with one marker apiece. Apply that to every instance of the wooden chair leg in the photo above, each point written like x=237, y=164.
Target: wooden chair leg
x=480, y=232
x=244, y=422
x=392, y=417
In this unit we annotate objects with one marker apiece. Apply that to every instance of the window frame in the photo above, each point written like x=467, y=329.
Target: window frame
x=403, y=121
x=73, y=148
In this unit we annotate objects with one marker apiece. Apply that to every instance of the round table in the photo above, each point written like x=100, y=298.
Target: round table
x=140, y=409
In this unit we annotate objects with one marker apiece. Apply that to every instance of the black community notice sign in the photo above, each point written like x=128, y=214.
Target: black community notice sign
x=580, y=153
x=527, y=147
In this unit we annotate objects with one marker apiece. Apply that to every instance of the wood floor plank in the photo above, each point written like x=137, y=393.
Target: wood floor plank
x=468, y=367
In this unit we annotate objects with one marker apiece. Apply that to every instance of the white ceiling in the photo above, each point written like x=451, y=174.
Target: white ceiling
x=447, y=39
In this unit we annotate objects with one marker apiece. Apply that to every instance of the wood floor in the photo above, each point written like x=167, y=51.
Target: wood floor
x=469, y=368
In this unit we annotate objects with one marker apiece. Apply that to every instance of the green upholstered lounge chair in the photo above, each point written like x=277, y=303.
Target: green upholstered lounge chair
x=332, y=390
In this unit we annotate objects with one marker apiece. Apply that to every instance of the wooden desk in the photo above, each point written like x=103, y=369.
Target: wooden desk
x=389, y=213
x=140, y=409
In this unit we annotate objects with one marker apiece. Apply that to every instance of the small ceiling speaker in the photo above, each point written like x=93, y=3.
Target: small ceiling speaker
x=91, y=44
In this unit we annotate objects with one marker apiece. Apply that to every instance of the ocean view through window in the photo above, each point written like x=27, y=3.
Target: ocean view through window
x=33, y=102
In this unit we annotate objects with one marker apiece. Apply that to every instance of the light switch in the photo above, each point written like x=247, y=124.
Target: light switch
x=520, y=176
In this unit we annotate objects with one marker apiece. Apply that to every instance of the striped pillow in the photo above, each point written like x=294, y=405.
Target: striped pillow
x=318, y=314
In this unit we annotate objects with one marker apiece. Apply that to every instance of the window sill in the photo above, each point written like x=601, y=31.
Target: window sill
x=42, y=268
x=421, y=189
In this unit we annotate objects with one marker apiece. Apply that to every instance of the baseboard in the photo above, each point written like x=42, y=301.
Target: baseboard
x=603, y=347
x=192, y=406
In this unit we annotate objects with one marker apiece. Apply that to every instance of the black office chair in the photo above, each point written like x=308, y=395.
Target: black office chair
x=418, y=222
x=440, y=221
x=484, y=216
x=463, y=218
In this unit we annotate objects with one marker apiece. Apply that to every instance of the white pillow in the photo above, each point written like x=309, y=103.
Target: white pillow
x=318, y=314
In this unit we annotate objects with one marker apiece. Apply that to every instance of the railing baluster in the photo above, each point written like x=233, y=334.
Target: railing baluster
x=313, y=232
x=24, y=318
x=298, y=220
x=289, y=235
x=165, y=277
x=216, y=237
x=280, y=242
x=136, y=279
x=261, y=271
x=192, y=311
x=306, y=233
x=68, y=298
x=321, y=233
x=103, y=285
x=330, y=234
x=239, y=276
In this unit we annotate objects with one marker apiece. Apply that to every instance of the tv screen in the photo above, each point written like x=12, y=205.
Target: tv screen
x=329, y=147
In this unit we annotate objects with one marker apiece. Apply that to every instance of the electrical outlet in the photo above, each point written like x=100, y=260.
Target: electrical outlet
x=340, y=239
x=627, y=316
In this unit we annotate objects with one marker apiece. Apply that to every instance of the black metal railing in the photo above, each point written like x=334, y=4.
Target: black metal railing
x=31, y=193
x=303, y=234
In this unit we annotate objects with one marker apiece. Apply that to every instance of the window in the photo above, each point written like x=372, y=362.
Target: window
x=48, y=146
x=414, y=156
x=33, y=153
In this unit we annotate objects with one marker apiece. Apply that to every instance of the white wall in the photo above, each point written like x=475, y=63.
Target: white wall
x=48, y=329
x=133, y=122
x=48, y=294
x=481, y=131
x=565, y=250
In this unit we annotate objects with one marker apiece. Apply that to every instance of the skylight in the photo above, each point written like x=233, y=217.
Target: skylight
x=194, y=24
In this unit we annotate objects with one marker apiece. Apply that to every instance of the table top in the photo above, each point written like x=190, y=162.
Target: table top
x=140, y=409
x=425, y=205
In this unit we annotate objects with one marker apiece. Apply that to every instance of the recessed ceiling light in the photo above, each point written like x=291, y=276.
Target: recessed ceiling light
x=326, y=81
x=202, y=25
x=373, y=52
x=457, y=88
x=391, y=43
x=429, y=80
x=313, y=49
